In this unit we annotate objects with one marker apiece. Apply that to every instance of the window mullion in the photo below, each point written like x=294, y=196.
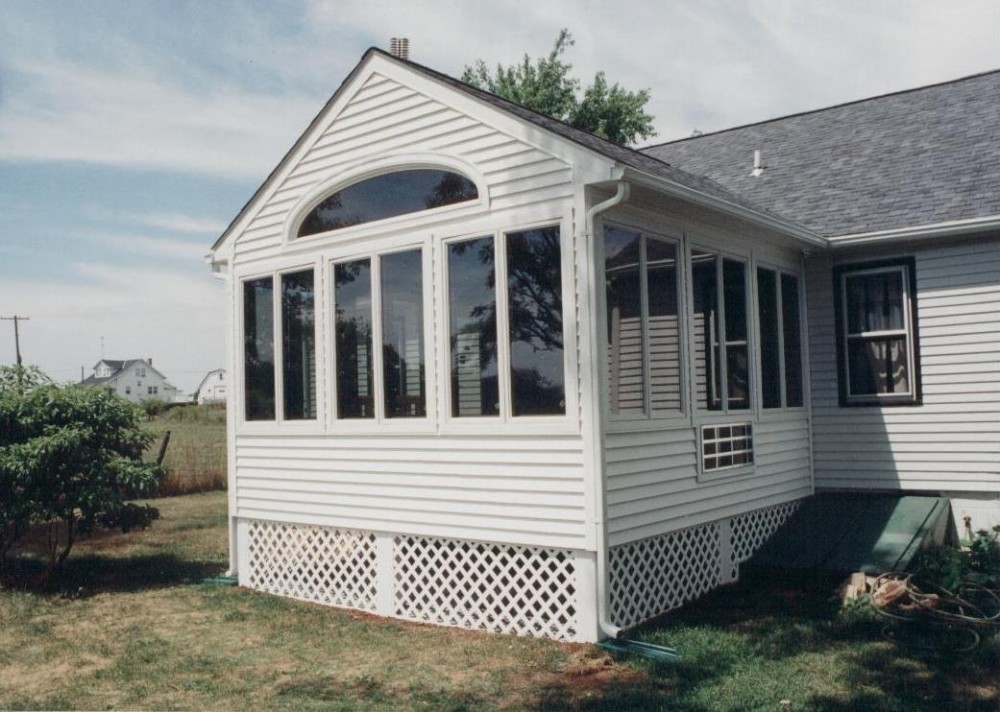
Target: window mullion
x=278, y=347
x=720, y=335
x=501, y=300
x=378, y=373
x=644, y=326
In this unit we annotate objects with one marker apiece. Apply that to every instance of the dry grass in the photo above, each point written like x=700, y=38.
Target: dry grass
x=196, y=454
x=131, y=628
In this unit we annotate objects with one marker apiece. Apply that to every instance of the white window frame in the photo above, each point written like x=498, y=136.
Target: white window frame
x=779, y=270
x=647, y=414
x=910, y=396
x=379, y=423
x=487, y=424
x=279, y=420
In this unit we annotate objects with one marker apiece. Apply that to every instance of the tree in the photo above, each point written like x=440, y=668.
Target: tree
x=69, y=457
x=546, y=86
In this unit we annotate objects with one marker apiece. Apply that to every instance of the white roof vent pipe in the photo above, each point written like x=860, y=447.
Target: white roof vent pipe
x=400, y=47
x=758, y=164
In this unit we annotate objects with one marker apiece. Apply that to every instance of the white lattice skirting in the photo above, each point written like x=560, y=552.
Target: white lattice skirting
x=497, y=587
x=653, y=576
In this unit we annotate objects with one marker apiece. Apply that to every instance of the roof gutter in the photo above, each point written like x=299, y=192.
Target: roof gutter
x=953, y=228
x=690, y=195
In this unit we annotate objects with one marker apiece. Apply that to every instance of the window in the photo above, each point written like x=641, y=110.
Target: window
x=128, y=390
x=387, y=196
x=876, y=329
x=644, y=345
x=727, y=446
x=295, y=311
x=533, y=345
x=397, y=280
x=719, y=302
x=780, y=339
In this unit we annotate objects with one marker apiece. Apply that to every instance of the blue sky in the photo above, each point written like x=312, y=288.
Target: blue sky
x=132, y=132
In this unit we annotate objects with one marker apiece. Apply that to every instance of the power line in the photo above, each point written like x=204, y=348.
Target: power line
x=17, y=335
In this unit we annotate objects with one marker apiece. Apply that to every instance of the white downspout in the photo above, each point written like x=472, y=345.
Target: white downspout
x=603, y=623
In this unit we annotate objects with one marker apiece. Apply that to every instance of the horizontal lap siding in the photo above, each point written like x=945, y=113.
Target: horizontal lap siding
x=384, y=117
x=952, y=441
x=505, y=489
x=653, y=484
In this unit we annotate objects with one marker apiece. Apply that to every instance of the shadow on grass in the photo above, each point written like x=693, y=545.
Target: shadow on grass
x=88, y=574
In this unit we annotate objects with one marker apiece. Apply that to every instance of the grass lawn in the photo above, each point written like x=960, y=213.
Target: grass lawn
x=131, y=628
x=196, y=454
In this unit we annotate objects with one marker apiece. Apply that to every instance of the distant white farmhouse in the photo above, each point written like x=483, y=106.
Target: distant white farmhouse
x=133, y=379
x=212, y=388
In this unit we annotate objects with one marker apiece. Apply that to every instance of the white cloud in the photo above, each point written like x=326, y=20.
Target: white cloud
x=178, y=222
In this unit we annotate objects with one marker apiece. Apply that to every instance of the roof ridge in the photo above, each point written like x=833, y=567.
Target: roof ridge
x=821, y=109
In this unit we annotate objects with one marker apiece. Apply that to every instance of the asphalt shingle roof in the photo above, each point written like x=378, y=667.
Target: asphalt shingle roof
x=918, y=157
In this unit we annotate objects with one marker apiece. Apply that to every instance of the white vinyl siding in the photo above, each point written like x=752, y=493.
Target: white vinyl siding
x=952, y=440
x=502, y=489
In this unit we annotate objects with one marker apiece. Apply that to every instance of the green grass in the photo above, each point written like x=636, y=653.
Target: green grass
x=129, y=627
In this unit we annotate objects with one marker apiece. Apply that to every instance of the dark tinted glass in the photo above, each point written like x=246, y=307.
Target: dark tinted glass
x=793, y=340
x=705, y=292
x=878, y=366
x=387, y=196
x=770, y=347
x=473, y=328
x=534, y=286
x=875, y=302
x=258, y=348
x=299, y=345
x=403, y=335
x=664, y=326
x=626, y=377
x=352, y=300
x=737, y=361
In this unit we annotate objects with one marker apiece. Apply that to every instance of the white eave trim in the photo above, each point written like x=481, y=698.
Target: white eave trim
x=953, y=228
x=691, y=195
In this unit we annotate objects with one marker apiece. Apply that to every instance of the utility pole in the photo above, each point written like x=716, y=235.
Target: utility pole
x=17, y=336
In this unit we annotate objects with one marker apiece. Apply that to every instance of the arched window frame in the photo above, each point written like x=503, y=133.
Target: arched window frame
x=385, y=166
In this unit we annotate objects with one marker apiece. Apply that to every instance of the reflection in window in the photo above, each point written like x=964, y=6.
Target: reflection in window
x=473, y=328
x=791, y=330
x=626, y=376
x=403, y=335
x=353, y=309
x=705, y=291
x=770, y=339
x=878, y=335
x=387, y=196
x=664, y=327
x=258, y=348
x=721, y=346
x=534, y=288
x=299, y=345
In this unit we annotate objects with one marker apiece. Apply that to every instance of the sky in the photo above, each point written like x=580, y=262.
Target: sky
x=132, y=132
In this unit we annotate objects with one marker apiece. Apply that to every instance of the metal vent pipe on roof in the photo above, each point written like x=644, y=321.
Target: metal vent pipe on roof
x=400, y=47
x=758, y=164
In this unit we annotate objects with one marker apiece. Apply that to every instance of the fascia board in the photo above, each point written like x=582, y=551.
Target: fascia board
x=683, y=192
x=953, y=228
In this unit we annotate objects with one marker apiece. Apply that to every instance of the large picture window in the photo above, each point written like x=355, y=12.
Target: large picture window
x=876, y=323
x=780, y=339
x=296, y=310
x=531, y=305
x=721, y=348
x=397, y=279
x=643, y=328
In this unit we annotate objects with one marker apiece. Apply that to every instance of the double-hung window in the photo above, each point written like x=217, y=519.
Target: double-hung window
x=505, y=325
x=643, y=324
x=293, y=310
x=876, y=322
x=721, y=348
x=780, y=339
x=378, y=300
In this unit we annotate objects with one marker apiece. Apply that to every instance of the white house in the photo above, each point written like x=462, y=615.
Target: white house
x=133, y=379
x=212, y=388
x=493, y=372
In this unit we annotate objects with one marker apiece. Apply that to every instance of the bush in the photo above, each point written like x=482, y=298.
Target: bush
x=67, y=457
x=949, y=567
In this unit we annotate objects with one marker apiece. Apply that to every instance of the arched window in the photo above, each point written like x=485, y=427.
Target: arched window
x=386, y=196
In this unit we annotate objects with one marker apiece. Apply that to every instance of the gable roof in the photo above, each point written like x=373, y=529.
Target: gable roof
x=920, y=157
x=648, y=165
x=118, y=367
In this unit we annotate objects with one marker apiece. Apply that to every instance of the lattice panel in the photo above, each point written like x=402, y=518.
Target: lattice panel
x=331, y=566
x=653, y=576
x=752, y=529
x=506, y=589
